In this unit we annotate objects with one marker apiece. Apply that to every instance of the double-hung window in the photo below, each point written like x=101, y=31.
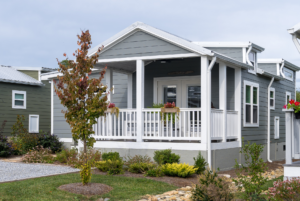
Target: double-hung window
x=34, y=123
x=272, y=98
x=18, y=99
x=251, y=104
x=289, y=74
x=288, y=97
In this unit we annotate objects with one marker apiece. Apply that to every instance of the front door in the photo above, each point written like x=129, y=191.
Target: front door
x=185, y=92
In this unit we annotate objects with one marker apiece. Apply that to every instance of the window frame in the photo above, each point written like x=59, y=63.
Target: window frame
x=276, y=131
x=254, y=62
x=289, y=71
x=251, y=84
x=38, y=124
x=273, y=90
x=287, y=93
x=13, y=99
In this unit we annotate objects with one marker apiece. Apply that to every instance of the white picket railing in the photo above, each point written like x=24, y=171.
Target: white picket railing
x=232, y=127
x=185, y=126
x=217, y=124
x=113, y=127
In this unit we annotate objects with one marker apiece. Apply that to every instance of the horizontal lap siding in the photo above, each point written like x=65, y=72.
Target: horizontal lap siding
x=259, y=134
x=271, y=68
x=232, y=52
x=31, y=73
x=62, y=128
x=38, y=100
x=141, y=44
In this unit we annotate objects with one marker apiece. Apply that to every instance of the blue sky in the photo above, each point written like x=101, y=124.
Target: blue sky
x=35, y=33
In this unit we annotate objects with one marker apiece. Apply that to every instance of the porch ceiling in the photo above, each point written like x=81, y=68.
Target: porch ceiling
x=123, y=66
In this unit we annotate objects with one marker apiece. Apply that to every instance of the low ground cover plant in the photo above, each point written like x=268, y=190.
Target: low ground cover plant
x=38, y=155
x=178, y=170
x=285, y=190
x=155, y=172
x=165, y=156
x=212, y=187
x=200, y=163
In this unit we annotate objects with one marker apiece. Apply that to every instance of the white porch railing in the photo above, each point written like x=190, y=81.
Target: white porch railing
x=185, y=126
x=111, y=127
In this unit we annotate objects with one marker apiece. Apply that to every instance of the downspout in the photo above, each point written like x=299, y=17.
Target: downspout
x=281, y=68
x=269, y=138
x=211, y=65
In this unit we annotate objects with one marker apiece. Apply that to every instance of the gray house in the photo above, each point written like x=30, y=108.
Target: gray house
x=23, y=93
x=223, y=94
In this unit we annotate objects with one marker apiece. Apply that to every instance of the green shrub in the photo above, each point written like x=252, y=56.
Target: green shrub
x=200, y=163
x=85, y=173
x=46, y=140
x=38, y=155
x=254, y=168
x=178, y=170
x=155, y=172
x=111, y=156
x=66, y=155
x=165, y=156
x=140, y=167
x=136, y=159
x=112, y=167
x=212, y=187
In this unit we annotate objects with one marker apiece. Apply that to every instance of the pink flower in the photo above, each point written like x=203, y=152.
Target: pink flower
x=284, y=106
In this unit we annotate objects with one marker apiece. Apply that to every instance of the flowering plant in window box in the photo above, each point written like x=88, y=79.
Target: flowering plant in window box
x=294, y=105
x=170, y=109
x=113, y=109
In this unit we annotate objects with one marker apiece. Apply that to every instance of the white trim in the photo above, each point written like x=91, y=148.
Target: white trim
x=238, y=101
x=140, y=94
x=223, y=96
x=288, y=71
x=129, y=90
x=204, y=110
x=269, y=61
x=13, y=99
x=273, y=90
x=244, y=55
x=66, y=139
x=52, y=107
x=39, y=74
x=222, y=44
x=157, y=57
x=38, y=123
x=109, y=83
x=278, y=69
x=287, y=93
x=276, y=131
x=251, y=84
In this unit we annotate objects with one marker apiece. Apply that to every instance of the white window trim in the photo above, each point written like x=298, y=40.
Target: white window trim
x=38, y=125
x=252, y=84
x=290, y=71
x=276, y=131
x=287, y=93
x=272, y=107
x=13, y=99
x=255, y=63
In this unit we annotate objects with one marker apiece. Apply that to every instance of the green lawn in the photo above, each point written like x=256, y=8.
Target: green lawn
x=124, y=188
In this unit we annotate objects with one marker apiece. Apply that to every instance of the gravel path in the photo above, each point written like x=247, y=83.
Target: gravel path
x=18, y=171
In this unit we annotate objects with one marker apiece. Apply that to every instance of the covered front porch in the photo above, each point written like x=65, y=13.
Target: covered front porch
x=207, y=92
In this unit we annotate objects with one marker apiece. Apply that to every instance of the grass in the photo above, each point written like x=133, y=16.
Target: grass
x=124, y=188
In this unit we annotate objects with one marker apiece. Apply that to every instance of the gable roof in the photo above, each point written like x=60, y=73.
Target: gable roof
x=11, y=75
x=279, y=61
x=230, y=44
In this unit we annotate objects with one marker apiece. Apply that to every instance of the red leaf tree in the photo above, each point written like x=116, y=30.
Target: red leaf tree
x=82, y=96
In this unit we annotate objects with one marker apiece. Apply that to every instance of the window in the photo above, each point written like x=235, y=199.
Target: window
x=276, y=127
x=288, y=96
x=253, y=60
x=272, y=98
x=18, y=99
x=251, y=104
x=288, y=74
x=34, y=123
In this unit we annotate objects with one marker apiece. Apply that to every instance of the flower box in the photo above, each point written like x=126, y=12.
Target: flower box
x=108, y=110
x=169, y=110
x=293, y=105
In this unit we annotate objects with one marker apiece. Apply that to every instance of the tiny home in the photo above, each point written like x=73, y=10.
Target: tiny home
x=222, y=92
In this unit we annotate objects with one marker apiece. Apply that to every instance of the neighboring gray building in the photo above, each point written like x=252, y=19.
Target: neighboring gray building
x=22, y=93
x=220, y=88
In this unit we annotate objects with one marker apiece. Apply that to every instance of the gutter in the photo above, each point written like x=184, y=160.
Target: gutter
x=269, y=140
x=211, y=65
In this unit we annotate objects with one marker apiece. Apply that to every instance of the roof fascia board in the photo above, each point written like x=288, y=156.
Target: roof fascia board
x=230, y=44
x=267, y=74
x=232, y=61
x=46, y=76
x=19, y=82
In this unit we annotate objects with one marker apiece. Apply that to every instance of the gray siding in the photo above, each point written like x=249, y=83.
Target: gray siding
x=232, y=52
x=62, y=128
x=38, y=100
x=259, y=134
x=141, y=44
x=271, y=68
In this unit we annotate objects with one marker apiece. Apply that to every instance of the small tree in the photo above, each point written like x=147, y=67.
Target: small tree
x=83, y=97
x=250, y=176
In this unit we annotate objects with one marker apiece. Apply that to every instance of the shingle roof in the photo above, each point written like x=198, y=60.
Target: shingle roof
x=9, y=74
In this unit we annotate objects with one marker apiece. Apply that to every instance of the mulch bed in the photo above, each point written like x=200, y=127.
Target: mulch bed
x=88, y=190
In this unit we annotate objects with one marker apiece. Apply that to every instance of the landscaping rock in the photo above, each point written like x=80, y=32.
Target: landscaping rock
x=176, y=195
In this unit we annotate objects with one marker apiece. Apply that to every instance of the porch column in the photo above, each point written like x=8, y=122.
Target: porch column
x=129, y=91
x=204, y=101
x=223, y=96
x=238, y=101
x=109, y=83
x=289, y=117
x=140, y=69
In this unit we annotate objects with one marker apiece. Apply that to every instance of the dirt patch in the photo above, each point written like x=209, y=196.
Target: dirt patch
x=176, y=181
x=88, y=190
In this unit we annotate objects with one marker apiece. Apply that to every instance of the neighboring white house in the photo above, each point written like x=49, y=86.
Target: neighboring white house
x=223, y=93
